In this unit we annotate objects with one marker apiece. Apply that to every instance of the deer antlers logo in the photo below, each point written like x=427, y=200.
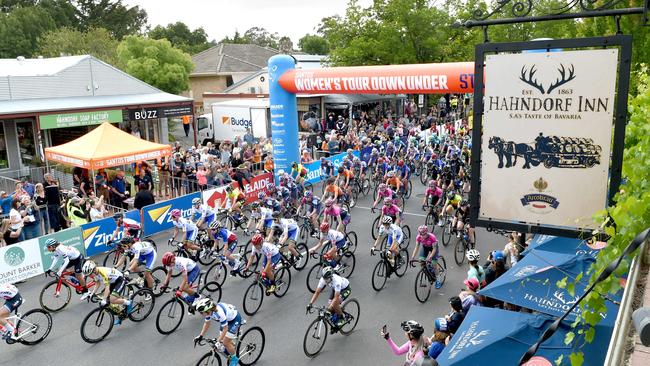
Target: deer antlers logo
x=528, y=76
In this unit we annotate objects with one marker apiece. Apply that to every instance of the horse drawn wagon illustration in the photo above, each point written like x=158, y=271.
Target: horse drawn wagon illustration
x=551, y=151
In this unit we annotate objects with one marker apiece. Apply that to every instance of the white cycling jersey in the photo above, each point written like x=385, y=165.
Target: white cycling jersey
x=223, y=313
x=393, y=230
x=266, y=213
x=333, y=236
x=185, y=225
x=141, y=248
x=268, y=250
x=204, y=212
x=337, y=283
x=8, y=291
x=184, y=264
x=66, y=252
x=288, y=225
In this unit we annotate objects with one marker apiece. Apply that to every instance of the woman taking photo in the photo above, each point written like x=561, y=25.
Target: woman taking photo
x=414, y=348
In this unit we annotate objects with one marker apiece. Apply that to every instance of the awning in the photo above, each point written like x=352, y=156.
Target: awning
x=106, y=146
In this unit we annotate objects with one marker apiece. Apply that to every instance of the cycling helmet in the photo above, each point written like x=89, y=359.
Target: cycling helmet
x=175, y=213
x=51, y=242
x=276, y=215
x=331, y=180
x=269, y=187
x=472, y=283
x=413, y=328
x=324, y=227
x=450, y=195
x=400, y=163
x=387, y=220
x=329, y=202
x=432, y=183
x=382, y=187
x=388, y=201
x=88, y=267
x=327, y=273
x=127, y=240
x=390, y=144
x=215, y=225
x=341, y=169
x=464, y=203
x=309, y=194
x=356, y=159
x=473, y=255
x=257, y=239
x=204, y=305
x=261, y=195
x=423, y=229
x=374, y=151
x=168, y=259
x=118, y=216
x=228, y=189
x=440, y=324
x=497, y=256
x=196, y=201
x=390, y=174
x=294, y=165
x=255, y=205
x=380, y=160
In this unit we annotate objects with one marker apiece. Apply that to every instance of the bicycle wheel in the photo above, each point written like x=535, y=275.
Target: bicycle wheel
x=352, y=240
x=379, y=275
x=365, y=186
x=346, y=264
x=446, y=231
x=401, y=262
x=313, y=276
x=422, y=286
x=205, y=253
x=170, y=316
x=282, y=282
x=383, y=243
x=409, y=189
x=49, y=299
x=112, y=258
x=158, y=273
x=97, y=325
x=217, y=272
x=209, y=359
x=228, y=223
x=34, y=326
x=430, y=220
x=423, y=176
x=143, y=303
x=459, y=252
x=406, y=240
x=253, y=298
x=375, y=228
x=442, y=270
x=251, y=346
x=303, y=250
x=212, y=290
x=351, y=312
x=315, y=338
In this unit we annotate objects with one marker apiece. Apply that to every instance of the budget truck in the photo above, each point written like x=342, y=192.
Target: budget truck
x=232, y=118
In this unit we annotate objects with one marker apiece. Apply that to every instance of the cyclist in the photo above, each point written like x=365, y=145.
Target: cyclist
x=395, y=183
x=190, y=271
x=453, y=202
x=229, y=319
x=13, y=300
x=346, y=176
x=143, y=253
x=229, y=239
x=126, y=226
x=186, y=226
x=204, y=214
x=359, y=167
x=332, y=190
x=270, y=258
x=237, y=199
x=390, y=209
x=298, y=172
x=475, y=270
x=461, y=218
x=403, y=172
x=382, y=192
x=266, y=218
x=290, y=231
x=429, y=251
x=72, y=258
x=336, y=240
x=395, y=237
x=340, y=292
x=326, y=167
x=114, y=283
x=313, y=206
x=337, y=214
x=432, y=197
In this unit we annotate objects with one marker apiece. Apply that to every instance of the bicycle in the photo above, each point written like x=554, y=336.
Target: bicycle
x=406, y=239
x=318, y=329
x=59, y=291
x=103, y=317
x=171, y=313
x=30, y=328
x=384, y=268
x=253, y=297
x=228, y=221
x=461, y=247
x=345, y=267
x=426, y=277
x=158, y=274
x=113, y=256
x=249, y=348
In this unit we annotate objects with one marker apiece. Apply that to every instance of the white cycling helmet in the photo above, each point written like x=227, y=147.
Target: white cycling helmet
x=88, y=267
x=204, y=305
x=473, y=255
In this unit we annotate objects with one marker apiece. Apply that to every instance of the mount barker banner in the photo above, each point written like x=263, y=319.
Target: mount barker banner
x=547, y=132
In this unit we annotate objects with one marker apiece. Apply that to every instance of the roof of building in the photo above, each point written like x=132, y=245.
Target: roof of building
x=71, y=82
x=228, y=58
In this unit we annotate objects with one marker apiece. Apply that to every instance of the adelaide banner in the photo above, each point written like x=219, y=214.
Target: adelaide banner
x=214, y=197
x=547, y=132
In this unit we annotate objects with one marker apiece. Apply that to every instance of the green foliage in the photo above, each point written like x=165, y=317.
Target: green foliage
x=97, y=42
x=21, y=29
x=313, y=45
x=261, y=37
x=119, y=19
x=155, y=62
x=180, y=36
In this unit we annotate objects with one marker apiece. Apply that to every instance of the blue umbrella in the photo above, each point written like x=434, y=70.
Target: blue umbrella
x=563, y=245
x=499, y=337
x=532, y=282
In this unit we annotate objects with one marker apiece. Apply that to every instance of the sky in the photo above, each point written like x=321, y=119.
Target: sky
x=220, y=18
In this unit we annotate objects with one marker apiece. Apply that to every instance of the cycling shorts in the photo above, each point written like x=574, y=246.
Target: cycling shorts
x=424, y=253
x=148, y=260
x=232, y=245
x=340, y=244
x=274, y=260
x=390, y=240
x=77, y=263
x=345, y=218
x=345, y=293
x=193, y=275
x=191, y=235
x=233, y=326
x=117, y=286
x=13, y=303
x=293, y=234
x=268, y=223
x=210, y=219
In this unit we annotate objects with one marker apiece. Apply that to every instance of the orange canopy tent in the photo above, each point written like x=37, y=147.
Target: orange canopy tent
x=106, y=146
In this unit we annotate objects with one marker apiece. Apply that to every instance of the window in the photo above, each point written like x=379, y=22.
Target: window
x=4, y=163
x=25, y=133
x=203, y=123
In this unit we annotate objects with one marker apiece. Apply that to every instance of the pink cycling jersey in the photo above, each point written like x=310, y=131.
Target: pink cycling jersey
x=388, y=193
x=427, y=241
x=391, y=210
x=437, y=192
x=333, y=211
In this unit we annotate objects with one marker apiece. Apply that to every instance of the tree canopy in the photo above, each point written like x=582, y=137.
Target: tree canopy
x=119, y=19
x=314, y=45
x=97, y=42
x=180, y=36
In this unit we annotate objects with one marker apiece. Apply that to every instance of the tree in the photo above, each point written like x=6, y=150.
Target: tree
x=117, y=18
x=8, y=5
x=285, y=45
x=261, y=37
x=182, y=37
x=21, y=29
x=97, y=42
x=155, y=62
x=313, y=45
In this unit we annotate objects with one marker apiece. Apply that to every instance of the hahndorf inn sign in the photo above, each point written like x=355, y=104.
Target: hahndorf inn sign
x=546, y=133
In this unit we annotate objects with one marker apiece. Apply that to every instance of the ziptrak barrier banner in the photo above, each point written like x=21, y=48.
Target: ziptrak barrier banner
x=97, y=234
x=156, y=217
x=214, y=197
x=315, y=173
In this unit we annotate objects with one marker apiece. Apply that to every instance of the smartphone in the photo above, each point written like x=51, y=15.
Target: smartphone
x=384, y=329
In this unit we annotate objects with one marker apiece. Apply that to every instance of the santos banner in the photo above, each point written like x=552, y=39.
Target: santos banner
x=547, y=131
x=314, y=172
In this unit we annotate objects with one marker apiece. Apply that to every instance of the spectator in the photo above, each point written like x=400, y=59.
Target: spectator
x=333, y=145
x=75, y=210
x=5, y=203
x=101, y=184
x=53, y=198
x=341, y=126
x=31, y=218
x=221, y=177
x=19, y=192
x=248, y=137
x=186, y=124
x=439, y=339
x=468, y=296
x=201, y=177
x=226, y=152
x=268, y=164
x=248, y=154
x=240, y=175
x=41, y=202
x=143, y=178
x=331, y=123
x=8, y=236
x=456, y=316
x=85, y=188
x=98, y=210
x=16, y=219
x=118, y=189
x=144, y=197
x=28, y=186
x=76, y=176
x=163, y=176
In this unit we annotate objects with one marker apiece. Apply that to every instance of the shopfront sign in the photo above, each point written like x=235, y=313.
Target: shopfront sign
x=65, y=120
x=160, y=112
